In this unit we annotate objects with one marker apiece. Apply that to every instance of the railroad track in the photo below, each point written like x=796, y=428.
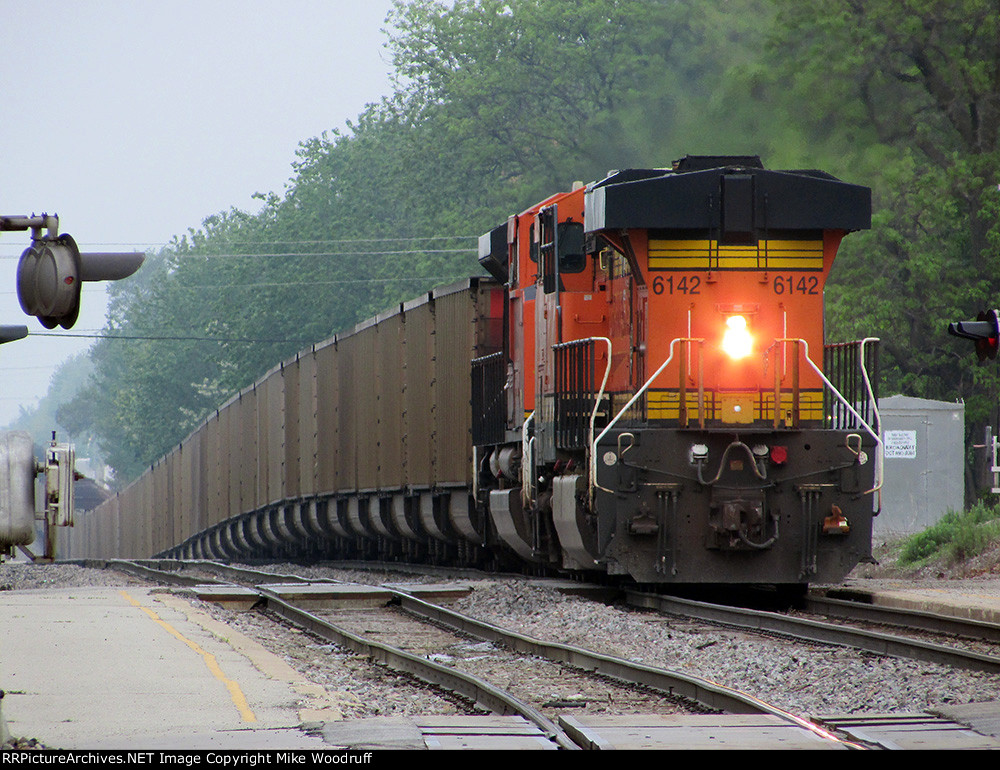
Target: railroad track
x=554, y=666
x=911, y=620
x=906, y=646
x=811, y=630
x=560, y=719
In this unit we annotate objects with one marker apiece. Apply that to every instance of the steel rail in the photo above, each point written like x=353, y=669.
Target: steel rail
x=922, y=620
x=702, y=691
x=817, y=631
x=250, y=575
x=710, y=694
x=144, y=570
x=482, y=693
x=172, y=571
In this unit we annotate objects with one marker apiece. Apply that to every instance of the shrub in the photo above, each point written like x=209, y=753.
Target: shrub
x=957, y=536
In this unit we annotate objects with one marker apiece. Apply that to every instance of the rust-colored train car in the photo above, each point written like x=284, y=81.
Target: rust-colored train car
x=359, y=446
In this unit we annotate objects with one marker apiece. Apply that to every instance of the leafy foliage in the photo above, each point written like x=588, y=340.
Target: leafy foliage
x=959, y=535
x=68, y=379
x=496, y=105
x=908, y=94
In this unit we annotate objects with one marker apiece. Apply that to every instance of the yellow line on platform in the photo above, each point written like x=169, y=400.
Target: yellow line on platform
x=239, y=700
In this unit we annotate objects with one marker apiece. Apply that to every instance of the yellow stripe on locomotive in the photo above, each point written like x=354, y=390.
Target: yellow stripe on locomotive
x=719, y=407
x=710, y=255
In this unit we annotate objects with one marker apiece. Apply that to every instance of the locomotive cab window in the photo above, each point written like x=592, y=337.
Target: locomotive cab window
x=572, y=253
x=737, y=223
x=570, y=243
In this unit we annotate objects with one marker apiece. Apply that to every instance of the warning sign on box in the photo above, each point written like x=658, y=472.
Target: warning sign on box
x=901, y=444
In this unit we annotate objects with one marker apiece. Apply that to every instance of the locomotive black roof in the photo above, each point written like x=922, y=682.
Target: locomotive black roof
x=692, y=196
x=703, y=162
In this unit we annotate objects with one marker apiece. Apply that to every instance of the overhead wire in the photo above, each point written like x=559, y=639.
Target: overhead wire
x=199, y=255
x=288, y=284
x=291, y=240
x=166, y=337
x=193, y=252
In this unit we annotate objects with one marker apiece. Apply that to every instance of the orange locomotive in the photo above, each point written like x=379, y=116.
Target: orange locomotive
x=664, y=405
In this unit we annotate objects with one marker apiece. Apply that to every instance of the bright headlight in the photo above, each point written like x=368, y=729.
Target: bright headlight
x=737, y=342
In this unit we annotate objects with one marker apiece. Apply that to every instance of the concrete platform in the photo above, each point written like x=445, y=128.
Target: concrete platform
x=437, y=593
x=965, y=600
x=919, y=731
x=438, y=732
x=108, y=668
x=233, y=597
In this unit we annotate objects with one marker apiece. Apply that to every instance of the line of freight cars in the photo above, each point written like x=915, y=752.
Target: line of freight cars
x=382, y=411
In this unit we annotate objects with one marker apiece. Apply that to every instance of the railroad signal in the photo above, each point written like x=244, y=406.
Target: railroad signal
x=48, y=281
x=18, y=470
x=51, y=271
x=984, y=332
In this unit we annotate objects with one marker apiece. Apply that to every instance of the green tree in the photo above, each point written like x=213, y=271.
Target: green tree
x=907, y=94
x=534, y=91
x=920, y=75
x=67, y=380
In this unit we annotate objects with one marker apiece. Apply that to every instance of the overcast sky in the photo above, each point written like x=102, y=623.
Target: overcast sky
x=133, y=120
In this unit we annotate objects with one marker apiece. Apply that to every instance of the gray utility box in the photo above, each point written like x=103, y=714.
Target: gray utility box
x=924, y=463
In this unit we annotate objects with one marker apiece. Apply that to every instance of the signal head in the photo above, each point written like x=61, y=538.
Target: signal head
x=51, y=271
x=984, y=332
x=48, y=281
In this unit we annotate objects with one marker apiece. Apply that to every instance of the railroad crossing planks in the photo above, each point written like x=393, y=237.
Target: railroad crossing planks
x=910, y=731
x=691, y=731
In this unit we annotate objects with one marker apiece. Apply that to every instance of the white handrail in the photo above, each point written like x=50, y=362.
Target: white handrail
x=880, y=457
x=600, y=395
x=875, y=434
x=527, y=461
x=880, y=460
x=593, y=446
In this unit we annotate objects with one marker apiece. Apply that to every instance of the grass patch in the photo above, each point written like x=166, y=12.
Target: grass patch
x=956, y=537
